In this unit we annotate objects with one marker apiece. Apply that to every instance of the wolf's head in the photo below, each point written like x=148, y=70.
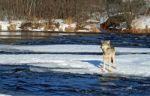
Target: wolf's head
x=105, y=44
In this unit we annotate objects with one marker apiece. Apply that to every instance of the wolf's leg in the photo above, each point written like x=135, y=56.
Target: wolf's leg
x=109, y=63
x=113, y=61
x=104, y=64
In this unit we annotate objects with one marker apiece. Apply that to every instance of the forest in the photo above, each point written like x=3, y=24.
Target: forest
x=77, y=9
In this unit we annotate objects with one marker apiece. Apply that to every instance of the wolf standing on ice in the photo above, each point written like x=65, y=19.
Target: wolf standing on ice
x=108, y=55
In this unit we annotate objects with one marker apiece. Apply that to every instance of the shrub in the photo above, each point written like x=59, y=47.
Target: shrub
x=25, y=25
x=70, y=29
x=12, y=27
x=69, y=20
x=35, y=25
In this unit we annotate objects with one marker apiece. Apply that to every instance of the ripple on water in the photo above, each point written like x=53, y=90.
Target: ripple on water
x=67, y=84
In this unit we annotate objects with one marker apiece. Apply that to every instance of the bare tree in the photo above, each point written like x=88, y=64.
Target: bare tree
x=80, y=10
x=127, y=9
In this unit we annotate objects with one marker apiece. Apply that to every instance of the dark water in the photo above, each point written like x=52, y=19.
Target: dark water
x=118, y=40
x=21, y=81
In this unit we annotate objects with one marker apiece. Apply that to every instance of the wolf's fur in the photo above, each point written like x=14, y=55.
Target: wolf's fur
x=108, y=55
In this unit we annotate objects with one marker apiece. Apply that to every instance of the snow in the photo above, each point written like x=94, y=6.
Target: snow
x=92, y=21
x=88, y=27
x=103, y=19
x=4, y=95
x=141, y=22
x=62, y=27
x=4, y=25
x=4, y=33
x=68, y=48
x=127, y=64
x=58, y=21
x=123, y=26
x=73, y=25
x=83, y=30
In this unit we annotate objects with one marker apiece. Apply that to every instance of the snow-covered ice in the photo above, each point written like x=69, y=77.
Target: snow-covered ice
x=4, y=95
x=137, y=64
x=68, y=48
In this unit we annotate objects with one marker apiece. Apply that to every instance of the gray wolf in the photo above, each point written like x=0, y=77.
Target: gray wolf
x=108, y=55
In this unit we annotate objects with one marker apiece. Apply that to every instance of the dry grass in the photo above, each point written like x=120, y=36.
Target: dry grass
x=34, y=22
x=52, y=27
x=0, y=27
x=70, y=29
x=95, y=29
x=133, y=30
x=57, y=25
x=80, y=26
x=48, y=26
x=12, y=27
x=69, y=20
x=137, y=31
x=35, y=25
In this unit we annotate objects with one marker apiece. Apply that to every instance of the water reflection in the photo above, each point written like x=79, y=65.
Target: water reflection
x=23, y=35
x=44, y=38
x=11, y=37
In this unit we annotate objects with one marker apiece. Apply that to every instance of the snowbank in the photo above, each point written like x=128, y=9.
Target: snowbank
x=5, y=24
x=42, y=25
x=141, y=23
